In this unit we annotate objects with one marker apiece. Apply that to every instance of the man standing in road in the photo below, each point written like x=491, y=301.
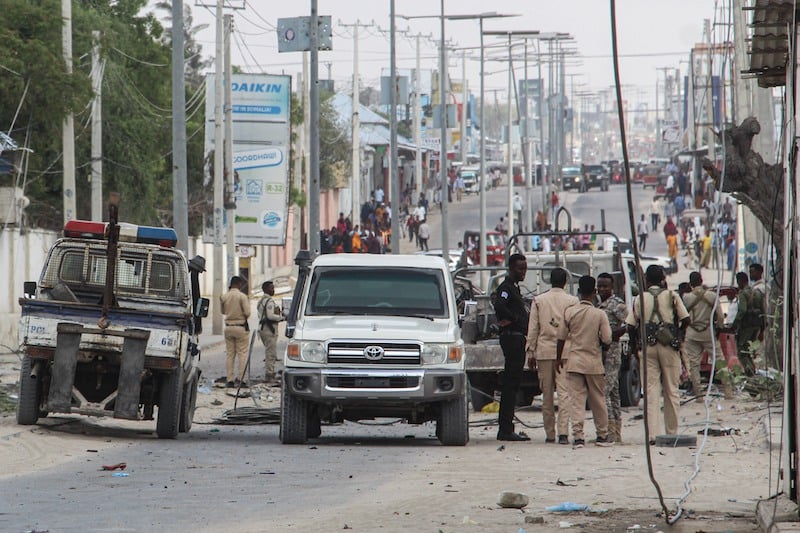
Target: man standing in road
x=655, y=213
x=663, y=314
x=423, y=234
x=588, y=333
x=547, y=317
x=700, y=335
x=517, y=201
x=459, y=186
x=269, y=315
x=512, y=319
x=641, y=231
x=671, y=235
x=235, y=306
x=617, y=312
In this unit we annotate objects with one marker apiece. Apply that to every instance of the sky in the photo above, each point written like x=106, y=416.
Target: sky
x=652, y=34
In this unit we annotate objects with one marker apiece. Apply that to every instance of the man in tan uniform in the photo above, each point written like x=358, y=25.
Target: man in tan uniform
x=588, y=332
x=662, y=357
x=700, y=336
x=269, y=315
x=547, y=316
x=236, y=308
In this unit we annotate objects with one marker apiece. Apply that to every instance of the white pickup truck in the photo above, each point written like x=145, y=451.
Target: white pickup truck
x=111, y=328
x=373, y=336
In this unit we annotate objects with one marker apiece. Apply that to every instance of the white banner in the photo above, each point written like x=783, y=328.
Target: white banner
x=261, y=107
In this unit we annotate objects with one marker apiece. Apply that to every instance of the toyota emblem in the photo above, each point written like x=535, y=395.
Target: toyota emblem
x=373, y=353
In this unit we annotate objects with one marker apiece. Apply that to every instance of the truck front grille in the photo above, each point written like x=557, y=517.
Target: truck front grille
x=369, y=382
x=374, y=353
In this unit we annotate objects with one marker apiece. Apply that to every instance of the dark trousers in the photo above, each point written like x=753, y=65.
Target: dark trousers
x=513, y=345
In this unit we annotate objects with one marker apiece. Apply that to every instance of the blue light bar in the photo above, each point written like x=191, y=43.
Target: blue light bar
x=166, y=237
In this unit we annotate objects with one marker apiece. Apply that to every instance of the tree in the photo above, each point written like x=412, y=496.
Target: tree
x=335, y=147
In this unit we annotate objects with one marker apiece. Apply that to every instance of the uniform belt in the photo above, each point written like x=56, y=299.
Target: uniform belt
x=234, y=323
x=512, y=333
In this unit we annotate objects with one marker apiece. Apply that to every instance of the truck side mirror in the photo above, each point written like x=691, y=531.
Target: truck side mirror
x=202, y=307
x=29, y=288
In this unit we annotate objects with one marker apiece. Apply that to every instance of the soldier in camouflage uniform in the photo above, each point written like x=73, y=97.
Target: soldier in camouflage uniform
x=617, y=312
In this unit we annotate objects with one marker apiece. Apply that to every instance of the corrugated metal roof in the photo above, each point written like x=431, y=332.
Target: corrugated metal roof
x=769, y=50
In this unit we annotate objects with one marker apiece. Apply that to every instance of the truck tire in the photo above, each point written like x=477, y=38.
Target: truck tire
x=188, y=405
x=481, y=390
x=169, y=404
x=294, y=419
x=29, y=395
x=452, y=428
x=630, y=385
x=314, y=425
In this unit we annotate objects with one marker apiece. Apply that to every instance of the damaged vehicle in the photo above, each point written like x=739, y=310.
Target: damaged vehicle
x=111, y=328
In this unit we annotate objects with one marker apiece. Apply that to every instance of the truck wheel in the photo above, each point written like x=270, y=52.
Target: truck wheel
x=314, y=425
x=294, y=419
x=481, y=390
x=29, y=395
x=630, y=386
x=169, y=404
x=188, y=405
x=452, y=428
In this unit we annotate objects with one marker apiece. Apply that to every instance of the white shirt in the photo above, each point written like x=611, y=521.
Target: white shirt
x=670, y=181
x=379, y=195
x=517, y=203
x=641, y=228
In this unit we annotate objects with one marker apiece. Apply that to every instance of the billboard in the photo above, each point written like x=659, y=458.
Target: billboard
x=261, y=107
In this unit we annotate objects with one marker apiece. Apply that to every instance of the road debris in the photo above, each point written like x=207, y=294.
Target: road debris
x=118, y=466
x=512, y=500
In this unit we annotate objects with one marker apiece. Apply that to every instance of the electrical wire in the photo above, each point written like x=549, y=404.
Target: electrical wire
x=635, y=246
x=140, y=61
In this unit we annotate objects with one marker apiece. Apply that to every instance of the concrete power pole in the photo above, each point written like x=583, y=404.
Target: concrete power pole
x=314, y=186
x=68, y=127
x=709, y=99
x=443, y=145
x=180, y=194
x=394, y=180
x=216, y=319
x=230, y=195
x=510, y=218
x=464, y=103
x=97, y=130
x=355, y=162
x=417, y=122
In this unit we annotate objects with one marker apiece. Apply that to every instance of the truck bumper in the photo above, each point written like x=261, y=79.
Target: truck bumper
x=378, y=386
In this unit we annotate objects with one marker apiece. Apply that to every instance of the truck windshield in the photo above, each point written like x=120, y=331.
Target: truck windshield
x=387, y=292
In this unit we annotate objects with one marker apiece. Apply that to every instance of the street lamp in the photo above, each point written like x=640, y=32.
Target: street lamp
x=443, y=144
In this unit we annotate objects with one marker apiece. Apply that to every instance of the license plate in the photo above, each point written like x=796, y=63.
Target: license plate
x=372, y=382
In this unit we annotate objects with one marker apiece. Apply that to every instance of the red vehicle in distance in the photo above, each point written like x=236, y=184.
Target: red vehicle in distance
x=495, y=247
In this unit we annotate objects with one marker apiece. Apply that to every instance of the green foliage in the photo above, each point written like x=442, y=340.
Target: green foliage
x=137, y=93
x=335, y=146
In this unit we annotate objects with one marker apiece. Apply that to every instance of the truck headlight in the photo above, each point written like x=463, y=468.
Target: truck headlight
x=437, y=354
x=313, y=352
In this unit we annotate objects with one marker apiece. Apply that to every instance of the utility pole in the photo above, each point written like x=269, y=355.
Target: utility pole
x=216, y=319
x=526, y=144
x=417, y=122
x=68, y=127
x=355, y=158
x=712, y=150
x=299, y=149
x=483, y=182
x=443, y=144
x=464, y=104
x=180, y=194
x=394, y=181
x=313, y=189
x=230, y=194
x=97, y=130
x=510, y=143
x=541, y=123
x=307, y=148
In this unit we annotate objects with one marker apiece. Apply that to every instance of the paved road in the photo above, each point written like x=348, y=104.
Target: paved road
x=392, y=477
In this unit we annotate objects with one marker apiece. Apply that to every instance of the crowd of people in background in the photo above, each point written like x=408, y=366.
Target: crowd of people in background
x=707, y=240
